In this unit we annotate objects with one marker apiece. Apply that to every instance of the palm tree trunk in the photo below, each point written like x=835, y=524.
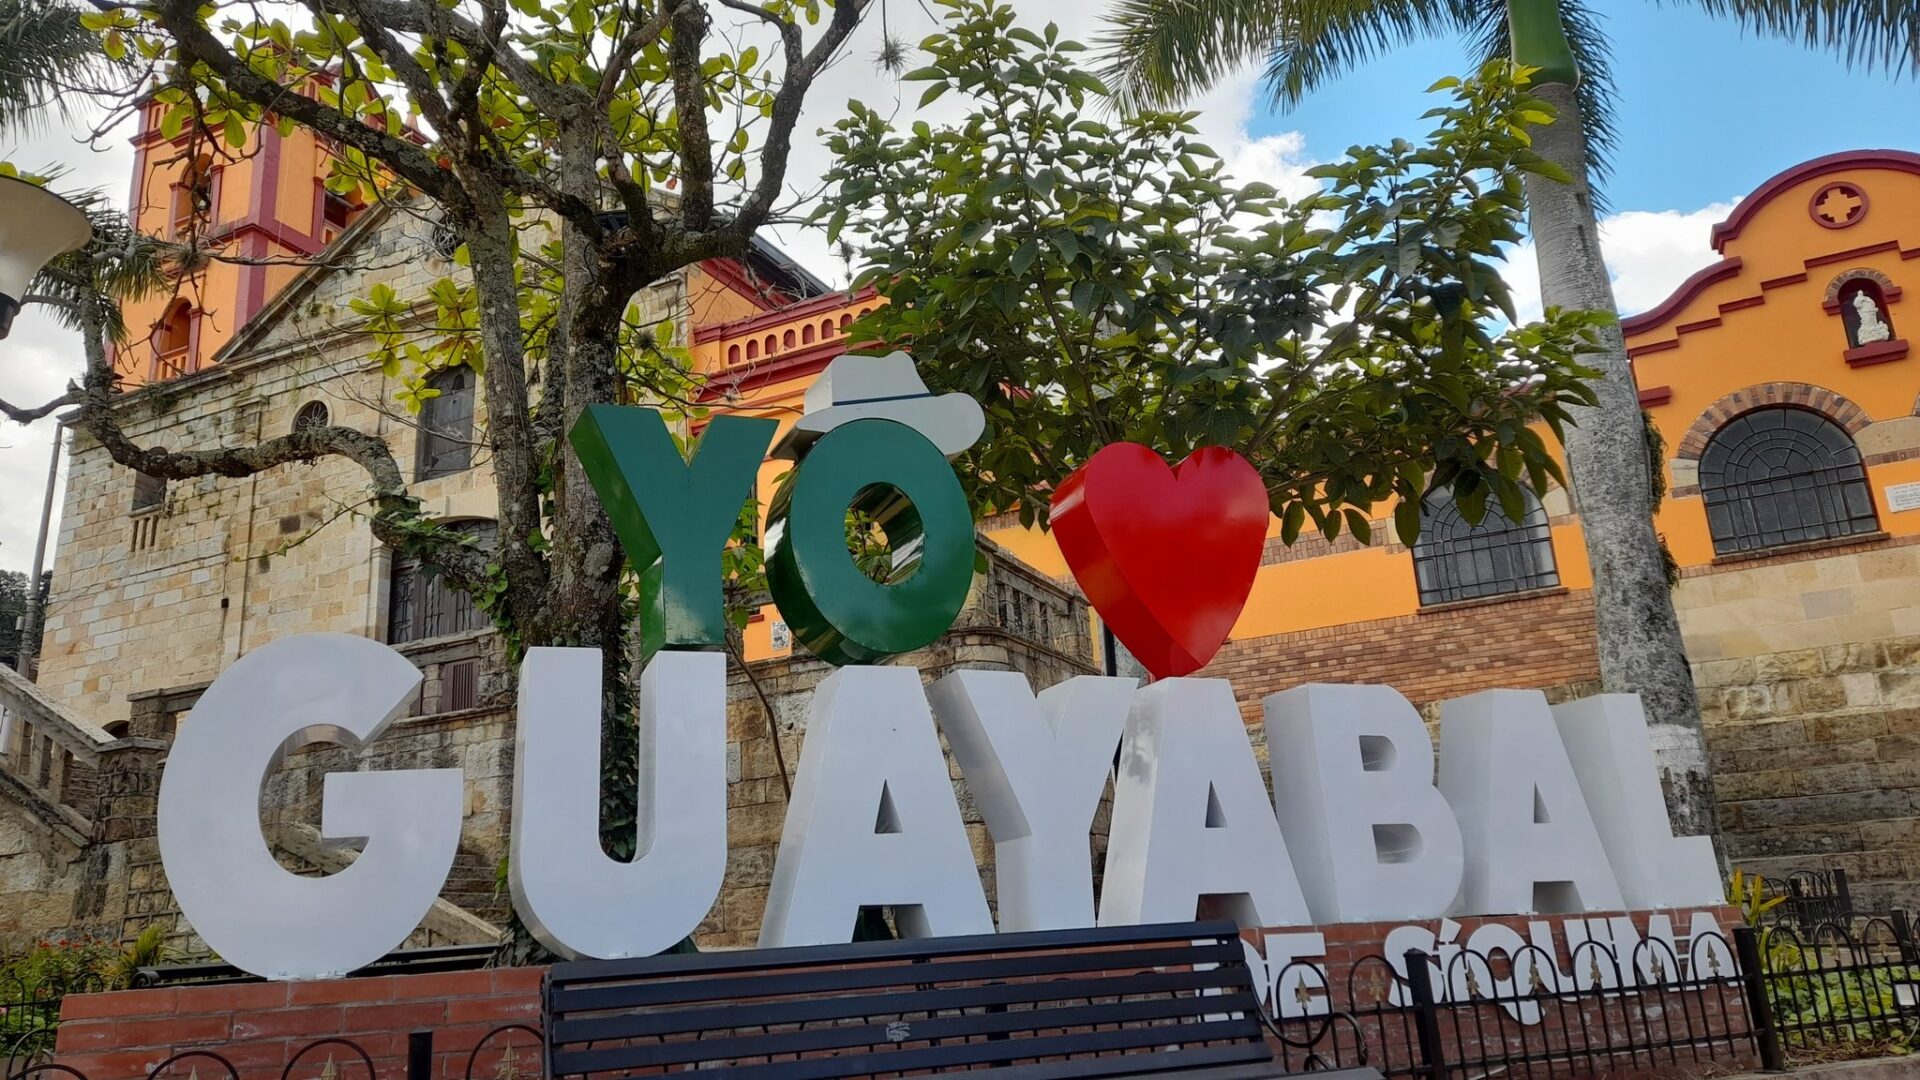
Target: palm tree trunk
x=1641, y=650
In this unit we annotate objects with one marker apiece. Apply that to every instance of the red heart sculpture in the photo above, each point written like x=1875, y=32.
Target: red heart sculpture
x=1166, y=555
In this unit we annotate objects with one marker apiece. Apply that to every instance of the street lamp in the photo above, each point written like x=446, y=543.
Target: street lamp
x=35, y=225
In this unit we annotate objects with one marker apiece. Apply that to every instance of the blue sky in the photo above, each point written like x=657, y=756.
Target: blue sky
x=1706, y=115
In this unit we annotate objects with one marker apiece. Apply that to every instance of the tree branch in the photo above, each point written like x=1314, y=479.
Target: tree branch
x=690, y=106
x=196, y=43
x=23, y=415
x=801, y=71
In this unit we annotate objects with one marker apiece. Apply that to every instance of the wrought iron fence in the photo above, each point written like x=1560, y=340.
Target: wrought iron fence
x=30, y=1014
x=1837, y=991
x=1521, y=1012
x=1811, y=899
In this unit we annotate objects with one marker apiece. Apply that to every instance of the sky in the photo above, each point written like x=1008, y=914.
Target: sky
x=1706, y=115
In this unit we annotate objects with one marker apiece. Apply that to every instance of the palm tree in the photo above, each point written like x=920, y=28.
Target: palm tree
x=1163, y=50
x=45, y=53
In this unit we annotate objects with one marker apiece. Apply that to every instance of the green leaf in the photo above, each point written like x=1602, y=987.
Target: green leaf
x=1406, y=521
x=1023, y=258
x=1293, y=522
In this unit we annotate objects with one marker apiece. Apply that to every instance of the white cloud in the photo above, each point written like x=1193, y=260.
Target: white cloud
x=1281, y=160
x=1222, y=122
x=1649, y=253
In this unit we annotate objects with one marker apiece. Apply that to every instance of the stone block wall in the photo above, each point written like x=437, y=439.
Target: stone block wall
x=1809, y=674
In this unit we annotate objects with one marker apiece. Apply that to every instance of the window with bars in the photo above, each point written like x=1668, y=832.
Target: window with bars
x=446, y=425
x=1783, y=475
x=420, y=603
x=1455, y=561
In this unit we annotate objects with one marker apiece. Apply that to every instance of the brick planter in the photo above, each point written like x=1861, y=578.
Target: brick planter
x=259, y=1027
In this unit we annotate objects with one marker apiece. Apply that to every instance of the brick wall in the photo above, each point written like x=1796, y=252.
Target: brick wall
x=259, y=1027
x=1545, y=640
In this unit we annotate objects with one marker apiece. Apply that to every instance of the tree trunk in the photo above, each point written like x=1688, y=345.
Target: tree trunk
x=1641, y=650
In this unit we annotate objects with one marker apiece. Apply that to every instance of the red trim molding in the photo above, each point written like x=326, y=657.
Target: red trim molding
x=1655, y=395
x=794, y=365
x=1880, y=352
x=1672, y=305
x=833, y=301
x=1852, y=191
x=1853, y=253
x=1889, y=292
x=1896, y=160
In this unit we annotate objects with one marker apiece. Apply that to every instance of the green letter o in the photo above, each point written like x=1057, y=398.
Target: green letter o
x=895, y=475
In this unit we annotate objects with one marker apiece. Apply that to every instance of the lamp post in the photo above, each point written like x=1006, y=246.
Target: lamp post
x=35, y=226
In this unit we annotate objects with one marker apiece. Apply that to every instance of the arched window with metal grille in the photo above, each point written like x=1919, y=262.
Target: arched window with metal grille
x=1782, y=475
x=1455, y=561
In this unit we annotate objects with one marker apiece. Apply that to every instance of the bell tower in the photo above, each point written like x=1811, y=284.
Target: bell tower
x=252, y=214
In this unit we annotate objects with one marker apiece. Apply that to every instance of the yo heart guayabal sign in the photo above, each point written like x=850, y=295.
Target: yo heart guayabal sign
x=1536, y=808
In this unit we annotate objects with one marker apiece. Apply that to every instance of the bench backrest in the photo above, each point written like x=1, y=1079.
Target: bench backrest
x=1051, y=1004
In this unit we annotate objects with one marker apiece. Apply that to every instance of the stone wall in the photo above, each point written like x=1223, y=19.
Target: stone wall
x=1809, y=673
x=156, y=599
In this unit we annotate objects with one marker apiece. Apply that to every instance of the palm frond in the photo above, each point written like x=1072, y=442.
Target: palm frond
x=1158, y=52
x=1868, y=34
x=1586, y=32
x=45, y=55
x=1320, y=40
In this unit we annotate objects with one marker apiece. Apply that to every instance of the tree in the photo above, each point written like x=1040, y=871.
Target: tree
x=577, y=152
x=1163, y=49
x=15, y=602
x=1096, y=278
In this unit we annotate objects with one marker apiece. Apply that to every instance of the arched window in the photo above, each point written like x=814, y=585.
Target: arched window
x=773, y=343
x=827, y=329
x=172, y=337
x=193, y=198
x=806, y=334
x=1782, y=475
x=420, y=605
x=753, y=350
x=1453, y=560
x=733, y=354
x=311, y=415
x=845, y=319
x=786, y=340
x=446, y=425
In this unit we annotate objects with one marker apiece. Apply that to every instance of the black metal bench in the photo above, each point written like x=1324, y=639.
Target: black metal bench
x=1049, y=1005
